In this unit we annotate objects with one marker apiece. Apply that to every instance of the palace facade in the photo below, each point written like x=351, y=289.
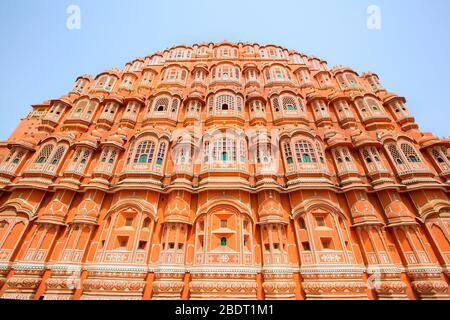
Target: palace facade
x=224, y=171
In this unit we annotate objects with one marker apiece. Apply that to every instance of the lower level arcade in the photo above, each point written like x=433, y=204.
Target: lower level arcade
x=224, y=244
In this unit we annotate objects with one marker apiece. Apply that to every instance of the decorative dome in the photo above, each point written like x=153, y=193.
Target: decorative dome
x=398, y=213
x=363, y=212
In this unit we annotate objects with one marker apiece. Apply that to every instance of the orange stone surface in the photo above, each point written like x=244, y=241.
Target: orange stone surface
x=224, y=171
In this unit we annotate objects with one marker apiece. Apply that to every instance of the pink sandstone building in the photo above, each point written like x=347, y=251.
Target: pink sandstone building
x=224, y=171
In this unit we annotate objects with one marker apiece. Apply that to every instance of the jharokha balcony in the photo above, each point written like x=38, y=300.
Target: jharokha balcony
x=145, y=162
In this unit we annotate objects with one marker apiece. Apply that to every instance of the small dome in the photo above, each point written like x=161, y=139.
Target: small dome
x=397, y=212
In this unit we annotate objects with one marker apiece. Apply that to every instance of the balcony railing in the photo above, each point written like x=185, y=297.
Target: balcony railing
x=42, y=168
x=231, y=166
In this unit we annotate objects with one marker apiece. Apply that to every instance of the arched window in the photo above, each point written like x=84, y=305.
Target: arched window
x=305, y=152
x=145, y=152
x=175, y=103
x=206, y=151
x=18, y=157
x=410, y=152
x=161, y=153
x=161, y=104
x=395, y=154
x=242, y=150
x=45, y=153
x=288, y=153
x=224, y=150
x=58, y=155
x=289, y=104
x=225, y=102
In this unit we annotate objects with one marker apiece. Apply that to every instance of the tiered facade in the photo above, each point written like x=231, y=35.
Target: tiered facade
x=224, y=170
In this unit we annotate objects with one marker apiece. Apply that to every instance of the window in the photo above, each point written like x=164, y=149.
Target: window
x=306, y=158
x=142, y=245
x=289, y=104
x=409, y=152
x=223, y=242
x=45, y=153
x=58, y=155
x=306, y=246
x=128, y=222
x=305, y=152
x=161, y=154
x=301, y=223
x=326, y=243
x=392, y=148
x=123, y=242
x=224, y=150
x=144, y=152
x=320, y=221
x=225, y=102
x=162, y=104
x=288, y=153
x=223, y=223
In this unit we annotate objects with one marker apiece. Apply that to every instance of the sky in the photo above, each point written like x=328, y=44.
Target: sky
x=40, y=57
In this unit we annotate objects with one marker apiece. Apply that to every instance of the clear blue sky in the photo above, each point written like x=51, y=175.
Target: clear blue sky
x=40, y=58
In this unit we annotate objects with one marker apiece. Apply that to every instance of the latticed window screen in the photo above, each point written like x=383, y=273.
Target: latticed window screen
x=225, y=102
x=346, y=154
x=351, y=79
x=409, y=152
x=304, y=151
x=175, y=104
x=45, y=153
x=338, y=156
x=10, y=155
x=436, y=153
x=183, y=155
x=76, y=156
x=206, y=151
x=108, y=156
x=91, y=108
x=58, y=155
x=374, y=106
x=242, y=150
x=276, y=104
x=289, y=104
x=162, y=104
x=224, y=150
x=85, y=157
x=161, y=153
x=144, y=152
x=16, y=159
x=263, y=152
x=319, y=152
x=278, y=73
x=80, y=107
x=112, y=156
x=395, y=154
x=288, y=153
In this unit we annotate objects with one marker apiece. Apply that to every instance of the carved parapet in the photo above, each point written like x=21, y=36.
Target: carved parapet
x=62, y=284
x=22, y=287
x=331, y=284
x=387, y=284
x=279, y=286
x=428, y=284
x=220, y=286
x=168, y=286
x=114, y=285
x=428, y=289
